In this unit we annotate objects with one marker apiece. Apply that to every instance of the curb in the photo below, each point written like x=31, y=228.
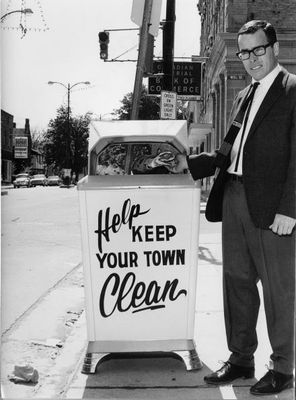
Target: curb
x=67, y=364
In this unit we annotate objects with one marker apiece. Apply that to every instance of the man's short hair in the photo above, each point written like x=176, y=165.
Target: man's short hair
x=256, y=25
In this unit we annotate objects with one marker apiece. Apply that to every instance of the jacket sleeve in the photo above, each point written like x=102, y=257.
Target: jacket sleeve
x=201, y=165
x=287, y=204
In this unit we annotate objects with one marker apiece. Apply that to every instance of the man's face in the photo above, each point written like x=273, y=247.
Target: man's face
x=258, y=66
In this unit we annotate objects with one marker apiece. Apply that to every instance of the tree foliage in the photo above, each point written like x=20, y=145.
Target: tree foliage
x=20, y=165
x=66, y=144
x=148, y=108
x=37, y=137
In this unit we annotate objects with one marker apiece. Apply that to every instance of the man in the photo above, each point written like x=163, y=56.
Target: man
x=254, y=196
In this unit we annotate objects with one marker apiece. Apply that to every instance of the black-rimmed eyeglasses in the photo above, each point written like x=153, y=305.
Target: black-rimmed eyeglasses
x=257, y=51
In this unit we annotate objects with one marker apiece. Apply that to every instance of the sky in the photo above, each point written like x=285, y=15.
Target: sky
x=61, y=44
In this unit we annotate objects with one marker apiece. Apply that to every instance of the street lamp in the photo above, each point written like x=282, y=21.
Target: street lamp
x=68, y=150
x=24, y=11
x=100, y=117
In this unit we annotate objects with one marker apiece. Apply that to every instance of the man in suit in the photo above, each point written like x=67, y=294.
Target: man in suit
x=254, y=196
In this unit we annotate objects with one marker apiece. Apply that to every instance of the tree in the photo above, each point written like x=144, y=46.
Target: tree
x=37, y=137
x=66, y=142
x=149, y=107
x=21, y=165
x=79, y=145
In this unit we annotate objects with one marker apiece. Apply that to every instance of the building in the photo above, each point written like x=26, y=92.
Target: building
x=223, y=74
x=6, y=146
x=37, y=161
x=22, y=133
x=17, y=154
x=22, y=143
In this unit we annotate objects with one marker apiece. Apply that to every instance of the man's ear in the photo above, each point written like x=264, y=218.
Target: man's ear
x=276, y=49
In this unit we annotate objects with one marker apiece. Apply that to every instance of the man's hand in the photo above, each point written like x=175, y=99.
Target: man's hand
x=283, y=225
x=166, y=158
x=178, y=165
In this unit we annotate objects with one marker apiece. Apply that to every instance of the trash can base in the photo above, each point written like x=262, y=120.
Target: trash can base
x=185, y=349
x=190, y=358
x=91, y=360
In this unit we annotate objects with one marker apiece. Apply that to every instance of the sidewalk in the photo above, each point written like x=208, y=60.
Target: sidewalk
x=4, y=188
x=139, y=377
x=166, y=377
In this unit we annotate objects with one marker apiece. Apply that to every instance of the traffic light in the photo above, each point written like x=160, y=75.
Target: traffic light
x=104, y=40
x=148, y=69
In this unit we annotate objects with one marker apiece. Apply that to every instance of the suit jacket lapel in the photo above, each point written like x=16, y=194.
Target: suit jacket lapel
x=272, y=95
x=239, y=101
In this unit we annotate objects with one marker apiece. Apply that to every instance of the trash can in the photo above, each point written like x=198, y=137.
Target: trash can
x=139, y=228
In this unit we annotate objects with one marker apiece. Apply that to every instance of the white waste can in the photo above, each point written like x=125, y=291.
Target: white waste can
x=140, y=243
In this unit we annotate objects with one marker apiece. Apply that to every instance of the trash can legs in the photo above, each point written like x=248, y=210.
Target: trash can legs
x=182, y=349
x=91, y=361
x=190, y=358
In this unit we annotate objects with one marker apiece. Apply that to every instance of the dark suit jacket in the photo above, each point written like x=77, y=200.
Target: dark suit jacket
x=269, y=158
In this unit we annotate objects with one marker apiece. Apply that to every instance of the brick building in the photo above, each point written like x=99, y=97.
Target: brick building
x=15, y=159
x=223, y=72
x=6, y=146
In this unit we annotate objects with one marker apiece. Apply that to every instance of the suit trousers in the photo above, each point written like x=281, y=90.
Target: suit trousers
x=251, y=254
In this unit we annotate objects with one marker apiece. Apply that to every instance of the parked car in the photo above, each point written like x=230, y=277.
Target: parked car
x=54, y=180
x=22, y=180
x=39, y=179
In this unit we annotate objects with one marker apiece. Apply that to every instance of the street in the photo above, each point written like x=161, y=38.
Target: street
x=40, y=245
x=44, y=322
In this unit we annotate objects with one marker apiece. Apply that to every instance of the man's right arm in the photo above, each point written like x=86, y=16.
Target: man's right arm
x=201, y=165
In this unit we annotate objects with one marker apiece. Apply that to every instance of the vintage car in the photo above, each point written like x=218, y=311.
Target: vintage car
x=39, y=179
x=54, y=180
x=22, y=180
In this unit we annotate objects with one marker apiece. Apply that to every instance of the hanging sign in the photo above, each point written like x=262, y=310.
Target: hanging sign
x=168, y=105
x=21, y=147
x=186, y=80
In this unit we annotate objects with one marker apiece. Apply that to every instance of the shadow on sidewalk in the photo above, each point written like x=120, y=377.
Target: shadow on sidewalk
x=152, y=377
x=206, y=255
x=145, y=374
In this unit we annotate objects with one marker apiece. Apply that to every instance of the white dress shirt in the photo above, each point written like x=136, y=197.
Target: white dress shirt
x=260, y=93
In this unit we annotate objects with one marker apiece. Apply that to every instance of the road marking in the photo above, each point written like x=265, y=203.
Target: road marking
x=227, y=392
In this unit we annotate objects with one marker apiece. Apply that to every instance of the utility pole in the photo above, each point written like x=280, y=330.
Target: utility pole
x=168, y=45
x=143, y=45
x=68, y=151
x=68, y=138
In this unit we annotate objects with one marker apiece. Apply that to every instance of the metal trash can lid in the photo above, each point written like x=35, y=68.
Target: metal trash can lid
x=103, y=132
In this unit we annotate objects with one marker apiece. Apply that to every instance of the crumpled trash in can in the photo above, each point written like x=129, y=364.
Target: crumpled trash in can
x=24, y=374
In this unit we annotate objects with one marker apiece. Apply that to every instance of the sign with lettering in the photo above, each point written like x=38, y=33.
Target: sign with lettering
x=186, y=80
x=141, y=262
x=67, y=172
x=21, y=147
x=168, y=105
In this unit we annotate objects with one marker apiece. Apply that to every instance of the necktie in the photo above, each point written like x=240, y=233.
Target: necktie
x=221, y=160
x=246, y=107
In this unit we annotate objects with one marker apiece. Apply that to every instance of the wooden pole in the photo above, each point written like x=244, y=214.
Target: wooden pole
x=143, y=45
